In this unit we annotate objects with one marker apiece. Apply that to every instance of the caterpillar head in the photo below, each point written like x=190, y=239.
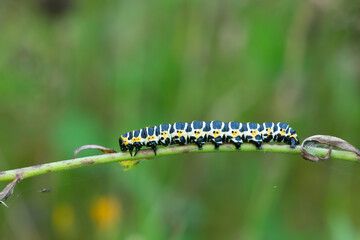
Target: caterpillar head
x=124, y=142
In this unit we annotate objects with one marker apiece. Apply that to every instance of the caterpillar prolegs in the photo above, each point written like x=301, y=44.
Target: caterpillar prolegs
x=200, y=132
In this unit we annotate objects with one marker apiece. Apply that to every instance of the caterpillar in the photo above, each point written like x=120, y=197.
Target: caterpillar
x=200, y=132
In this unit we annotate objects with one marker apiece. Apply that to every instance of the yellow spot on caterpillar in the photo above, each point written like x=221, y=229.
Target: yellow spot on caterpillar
x=282, y=132
x=216, y=134
x=197, y=133
x=293, y=136
x=125, y=141
x=269, y=131
x=254, y=132
x=165, y=134
x=136, y=139
x=180, y=133
x=235, y=133
x=150, y=138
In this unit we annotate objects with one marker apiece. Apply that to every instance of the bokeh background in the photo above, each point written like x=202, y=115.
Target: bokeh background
x=84, y=72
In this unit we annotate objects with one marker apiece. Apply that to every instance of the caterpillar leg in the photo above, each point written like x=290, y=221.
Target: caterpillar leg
x=200, y=142
x=154, y=149
x=217, y=145
x=166, y=142
x=153, y=146
x=258, y=145
x=217, y=142
x=238, y=145
x=292, y=143
x=137, y=149
x=131, y=150
x=182, y=141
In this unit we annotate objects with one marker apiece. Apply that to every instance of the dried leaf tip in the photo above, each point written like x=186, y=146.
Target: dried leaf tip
x=8, y=190
x=329, y=141
x=93, y=146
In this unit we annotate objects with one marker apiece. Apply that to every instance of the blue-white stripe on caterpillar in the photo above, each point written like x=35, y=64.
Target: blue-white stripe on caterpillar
x=200, y=132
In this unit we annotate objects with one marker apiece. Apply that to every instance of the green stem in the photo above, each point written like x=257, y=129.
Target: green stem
x=164, y=151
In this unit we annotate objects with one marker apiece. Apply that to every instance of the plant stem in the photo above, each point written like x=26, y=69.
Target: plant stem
x=162, y=151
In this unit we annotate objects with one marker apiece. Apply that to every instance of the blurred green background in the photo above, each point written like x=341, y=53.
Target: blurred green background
x=84, y=72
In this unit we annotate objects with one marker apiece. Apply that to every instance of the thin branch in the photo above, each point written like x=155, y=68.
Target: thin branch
x=165, y=151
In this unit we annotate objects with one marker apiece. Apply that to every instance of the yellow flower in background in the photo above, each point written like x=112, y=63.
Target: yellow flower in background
x=63, y=217
x=106, y=211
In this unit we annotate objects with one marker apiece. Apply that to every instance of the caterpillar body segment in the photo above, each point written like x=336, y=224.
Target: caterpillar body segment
x=200, y=132
x=281, y=131
x=152, y=137
x=216, y=130
x=233, y=133
x=196, y=133
x=178, y=133
x=165, y=137
x=268, y=130
x=138, y=139
x=252, y=133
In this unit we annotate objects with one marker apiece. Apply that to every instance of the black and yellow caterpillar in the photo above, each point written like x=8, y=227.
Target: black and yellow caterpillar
x=200, y=132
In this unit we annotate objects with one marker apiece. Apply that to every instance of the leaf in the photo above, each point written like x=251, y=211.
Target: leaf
x=130, y=164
